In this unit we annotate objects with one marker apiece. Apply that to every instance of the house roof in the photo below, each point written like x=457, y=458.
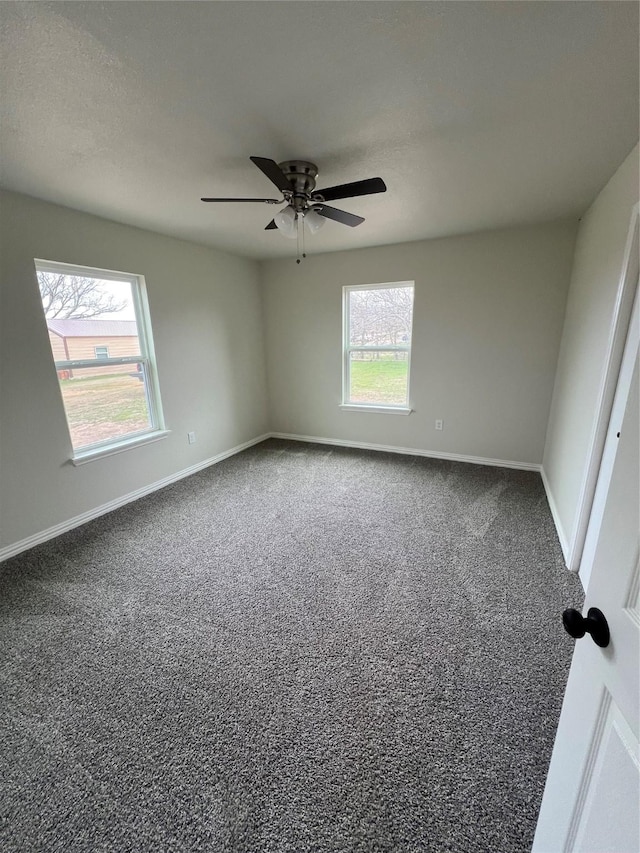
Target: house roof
x=93, y=328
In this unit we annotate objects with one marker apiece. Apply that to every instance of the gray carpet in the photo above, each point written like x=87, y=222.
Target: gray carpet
x=302, y=648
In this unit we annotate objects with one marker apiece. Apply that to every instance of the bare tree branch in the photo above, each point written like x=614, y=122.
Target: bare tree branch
x=380, y=317
x=70, y=296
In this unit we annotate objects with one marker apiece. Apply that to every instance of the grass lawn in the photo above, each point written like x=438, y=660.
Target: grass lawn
x=380, y=381
x=104, y=407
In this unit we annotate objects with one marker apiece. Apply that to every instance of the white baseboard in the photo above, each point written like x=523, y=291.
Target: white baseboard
x=83, y=518
x=432, y=454
x=562, y=537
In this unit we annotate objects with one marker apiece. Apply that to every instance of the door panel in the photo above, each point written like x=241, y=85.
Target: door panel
x=604, y=821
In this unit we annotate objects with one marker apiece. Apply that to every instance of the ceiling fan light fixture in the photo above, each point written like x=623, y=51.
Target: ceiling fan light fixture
x=285, y=220
x=314, y=220
x=296, y=180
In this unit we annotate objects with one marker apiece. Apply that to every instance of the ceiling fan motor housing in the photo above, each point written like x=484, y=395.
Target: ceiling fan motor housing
x=302, y=176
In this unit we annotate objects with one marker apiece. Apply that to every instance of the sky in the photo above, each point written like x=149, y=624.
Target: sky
x=119, y=290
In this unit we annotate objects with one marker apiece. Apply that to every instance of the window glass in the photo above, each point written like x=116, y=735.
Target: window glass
x=98, y=314
x=380, y=316
x=378, y=321
x=101, y=407
x=379, y=378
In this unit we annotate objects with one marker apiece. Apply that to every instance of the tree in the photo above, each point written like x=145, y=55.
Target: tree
x=381, y=316
x=65, y=296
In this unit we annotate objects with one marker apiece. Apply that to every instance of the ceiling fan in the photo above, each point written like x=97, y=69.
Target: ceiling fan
x=296, y=180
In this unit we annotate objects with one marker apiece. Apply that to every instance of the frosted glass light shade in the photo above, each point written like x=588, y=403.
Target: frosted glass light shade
x=285, y=220
x=314, y=221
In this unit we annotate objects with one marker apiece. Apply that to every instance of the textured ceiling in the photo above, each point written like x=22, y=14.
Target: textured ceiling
x=476, y=115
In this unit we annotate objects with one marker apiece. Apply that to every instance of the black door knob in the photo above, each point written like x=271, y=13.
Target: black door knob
x=594, y=623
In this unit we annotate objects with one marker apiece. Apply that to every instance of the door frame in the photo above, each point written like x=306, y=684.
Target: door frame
x=623, y=387
x=613, y=360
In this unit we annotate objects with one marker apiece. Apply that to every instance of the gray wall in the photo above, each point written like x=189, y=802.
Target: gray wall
x=489, y=314
x=594, y=284
x=487, y=324
x=206, y=314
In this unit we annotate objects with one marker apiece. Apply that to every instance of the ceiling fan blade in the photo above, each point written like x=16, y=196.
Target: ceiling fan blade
x=339, y=215
x=371, y=185
x=271, y=226
x=265, y=200
x=273, y=172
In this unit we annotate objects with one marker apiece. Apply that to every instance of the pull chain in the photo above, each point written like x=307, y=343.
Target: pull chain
x=300, y=237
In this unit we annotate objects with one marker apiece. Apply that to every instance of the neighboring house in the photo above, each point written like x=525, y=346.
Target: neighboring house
x=72, y=340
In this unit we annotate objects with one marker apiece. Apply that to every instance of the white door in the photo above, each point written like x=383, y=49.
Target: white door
x=591, y=801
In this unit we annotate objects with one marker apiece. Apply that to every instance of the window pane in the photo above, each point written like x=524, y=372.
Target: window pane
x=378, y=378
x=88, y=317
x=380, y=316
x=105, y=403
x=91, y=318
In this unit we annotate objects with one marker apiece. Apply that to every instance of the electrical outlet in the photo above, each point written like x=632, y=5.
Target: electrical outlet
x=439, y=424
x=191, y=437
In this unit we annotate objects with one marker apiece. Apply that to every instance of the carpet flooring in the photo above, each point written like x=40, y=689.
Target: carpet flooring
x=302, y=648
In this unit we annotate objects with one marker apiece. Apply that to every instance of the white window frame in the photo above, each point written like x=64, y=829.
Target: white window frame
x=347, y=348
x=95, y=349
x=146, y=358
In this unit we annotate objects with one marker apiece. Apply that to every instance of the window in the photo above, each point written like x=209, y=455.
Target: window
x=377, y=346
x=100, y=336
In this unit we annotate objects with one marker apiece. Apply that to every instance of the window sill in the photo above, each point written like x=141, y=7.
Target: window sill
x=89, y=455
x=376, y=410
